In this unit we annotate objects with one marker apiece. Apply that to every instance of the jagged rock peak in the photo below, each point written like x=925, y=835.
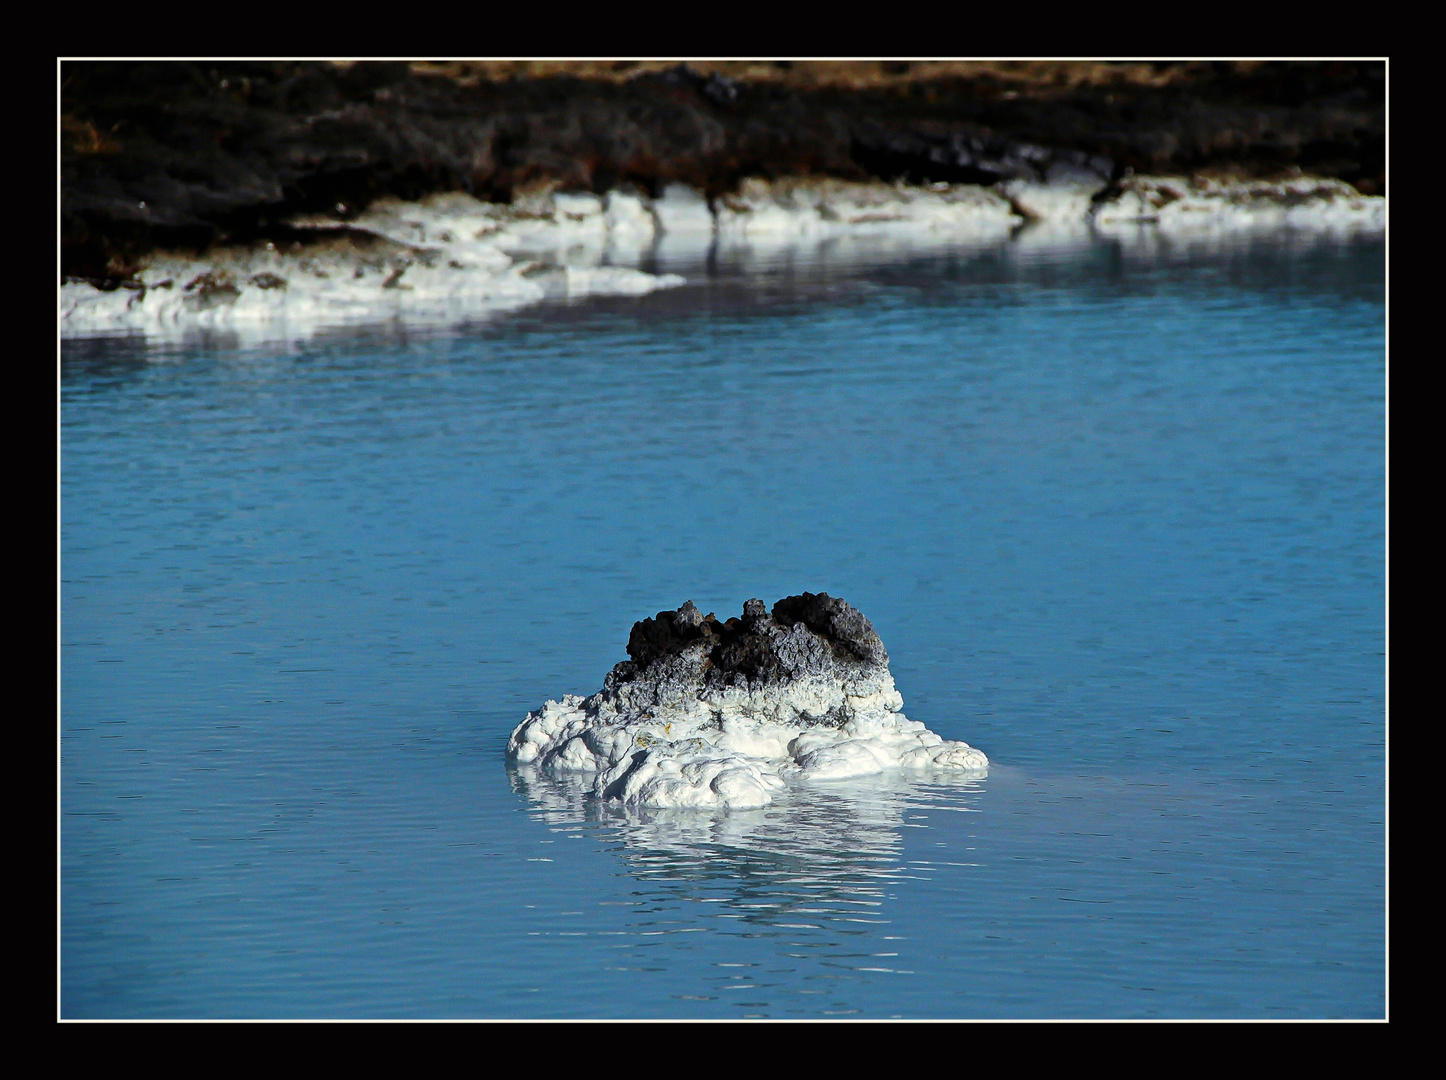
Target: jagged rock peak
x=721, y=714
x=749, y=644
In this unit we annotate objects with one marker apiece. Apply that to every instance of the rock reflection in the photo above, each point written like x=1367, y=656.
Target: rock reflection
x=823, y=853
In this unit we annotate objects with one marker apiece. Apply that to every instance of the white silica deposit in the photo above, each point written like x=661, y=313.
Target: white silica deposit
x=723, y=714
x=818, y=208
x=1061, y=203
x=447, y=258
x=450, y=258
x=1178, y=205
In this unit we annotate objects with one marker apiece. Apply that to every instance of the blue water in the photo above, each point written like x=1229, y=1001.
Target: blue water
x=1118, y=516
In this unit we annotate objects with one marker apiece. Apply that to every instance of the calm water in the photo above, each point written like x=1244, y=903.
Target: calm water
x=1117, y=513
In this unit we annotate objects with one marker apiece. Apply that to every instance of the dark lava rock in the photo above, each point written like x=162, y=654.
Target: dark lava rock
x=757, y=646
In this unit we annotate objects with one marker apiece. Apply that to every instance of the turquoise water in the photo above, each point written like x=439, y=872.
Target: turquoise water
x=1117, y=514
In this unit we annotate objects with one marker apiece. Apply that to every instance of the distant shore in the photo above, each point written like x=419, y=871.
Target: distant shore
x=450, y=258
x=188, y=156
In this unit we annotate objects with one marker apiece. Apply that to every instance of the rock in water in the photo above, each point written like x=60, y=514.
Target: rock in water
x=718, y=714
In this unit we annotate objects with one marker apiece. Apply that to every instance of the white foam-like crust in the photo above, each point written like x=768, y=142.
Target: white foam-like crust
x=1181, y=205
x=683, y=211
x=447, y=258
x=451, y=258
x=732, y=747
x=805, y=209
x=1053, y=204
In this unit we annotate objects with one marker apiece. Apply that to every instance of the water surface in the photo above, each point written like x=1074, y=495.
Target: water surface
x=1117, y=511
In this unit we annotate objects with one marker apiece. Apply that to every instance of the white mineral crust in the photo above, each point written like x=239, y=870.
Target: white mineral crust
x=711, y=714
x=814, y=208
x=1180, y=205
x=1059, y=203
x=451, y=258
x=448, y=258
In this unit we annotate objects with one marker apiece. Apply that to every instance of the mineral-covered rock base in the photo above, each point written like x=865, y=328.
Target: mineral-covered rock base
x=723, y=714
x=452, y=258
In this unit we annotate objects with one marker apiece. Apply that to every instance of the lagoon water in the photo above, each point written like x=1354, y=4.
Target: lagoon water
x=1116, y=509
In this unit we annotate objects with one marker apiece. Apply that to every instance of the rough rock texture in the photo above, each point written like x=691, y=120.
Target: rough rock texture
x=710, y=713
x=182, y=154
x=757, y=648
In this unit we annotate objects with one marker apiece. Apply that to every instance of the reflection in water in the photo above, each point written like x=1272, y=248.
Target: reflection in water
x=1027, y=248
x=745, y=279
x=822, y=853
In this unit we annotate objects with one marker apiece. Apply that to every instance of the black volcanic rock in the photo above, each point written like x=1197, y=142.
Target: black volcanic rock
x=187, y=154
x=844, y=625
x=757, y=649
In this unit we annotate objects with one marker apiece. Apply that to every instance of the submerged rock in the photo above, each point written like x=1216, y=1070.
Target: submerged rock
x=709, y=713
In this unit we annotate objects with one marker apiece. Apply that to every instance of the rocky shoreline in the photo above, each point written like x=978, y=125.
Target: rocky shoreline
x=452, y=258
x=186, y=157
